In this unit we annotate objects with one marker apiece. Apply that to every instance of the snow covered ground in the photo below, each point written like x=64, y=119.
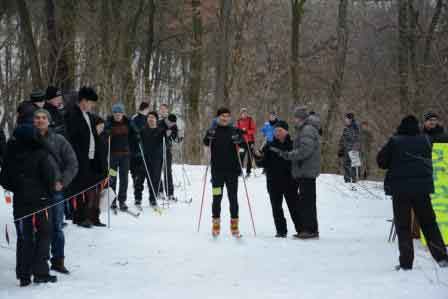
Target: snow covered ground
x=164, y=257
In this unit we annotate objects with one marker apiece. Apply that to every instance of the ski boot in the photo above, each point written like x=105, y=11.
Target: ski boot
x=234, y=227
x=24, y=282
x=123, y=206
x=45, y=279
x=443, y=263
x=216, y=227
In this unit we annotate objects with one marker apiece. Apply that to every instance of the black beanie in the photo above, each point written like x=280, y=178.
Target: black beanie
x=172, y=118
x=143, y=106
x=222, y=110
x=87, y=93
x=282, y=124
x=409, y=126
x=53, y=92
x=429, y=115
x=37, y=95
x=350, y=116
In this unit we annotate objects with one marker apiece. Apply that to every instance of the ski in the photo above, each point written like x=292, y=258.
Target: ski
x=132, y=213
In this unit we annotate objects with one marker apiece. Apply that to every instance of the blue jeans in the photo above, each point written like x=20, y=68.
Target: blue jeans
x=58, y=239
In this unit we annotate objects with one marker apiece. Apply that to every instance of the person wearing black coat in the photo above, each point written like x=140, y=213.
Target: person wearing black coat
x=409, y=180
x=55, y=106
x=433, y=128
x=280, y=182
x=2, y=146
x=25, y=111
x=152, y=140
x=81, y=133
x=29, y=172
x=224, y=141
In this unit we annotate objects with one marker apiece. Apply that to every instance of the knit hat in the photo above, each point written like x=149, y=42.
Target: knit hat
x=118, y=108
x=143, y=106
x=222, y=111
x=172, y=118
x=301, y=112
x=409, y=126
x=43, y=111
x=52, y=92
x=273, y=113
x=350, y=116
x=87, y=93
x=429, y=115
x=37, y=95
x=282, y=124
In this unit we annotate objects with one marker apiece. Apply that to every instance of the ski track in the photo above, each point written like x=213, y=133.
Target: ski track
x=162, y=256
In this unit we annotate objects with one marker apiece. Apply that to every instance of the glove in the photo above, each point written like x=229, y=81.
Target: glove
x=210, y=134
x=340, y=154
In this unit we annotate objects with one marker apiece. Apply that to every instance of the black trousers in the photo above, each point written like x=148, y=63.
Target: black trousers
x=421, y=204
x=278, y=189
x=231, y=183
x=168, y=173
x=120, y=163
x=249, y=152
x=307, y=206
x=155, y=172
x=138, y=173
x=350, y=173
x=33, y=245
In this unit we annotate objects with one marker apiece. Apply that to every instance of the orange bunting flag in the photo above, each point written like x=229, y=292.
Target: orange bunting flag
x=8, y=198
x=74, y=203
x=34, y=222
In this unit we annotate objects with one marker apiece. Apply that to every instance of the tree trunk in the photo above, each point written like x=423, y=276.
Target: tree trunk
x=27, y=32
x=337, y=85
x=194, y=92
x=403, y=56
x=297, y=15
x=223, y=54
x=149, y=49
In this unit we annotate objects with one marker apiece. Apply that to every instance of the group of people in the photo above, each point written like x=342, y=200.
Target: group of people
x=57, y=162
x=55, y=155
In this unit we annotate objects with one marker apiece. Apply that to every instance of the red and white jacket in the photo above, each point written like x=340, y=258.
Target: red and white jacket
x=247, y=125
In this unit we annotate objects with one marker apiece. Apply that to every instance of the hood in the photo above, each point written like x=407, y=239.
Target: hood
x=312, y=120
x=27, y=135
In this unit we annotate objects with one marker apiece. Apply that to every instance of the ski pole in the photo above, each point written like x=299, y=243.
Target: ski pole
x=147, y=170
x=245, y=188
x=108, y=182
x=204, y=185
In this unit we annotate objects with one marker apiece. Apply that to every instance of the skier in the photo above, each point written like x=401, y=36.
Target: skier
x=349, y=141
x=25, y=111
x=118, y=128
x=81, y=133
x=305, y=158
x=409, y=180
x=433, y=128
x=55, y=106
x=138, y=172
x=152, y=140
x=65, y=157
x=247, y=125
x=268, y=129
x=224, y=141
x=169, y=125
x=29, y=172
x=280, y=182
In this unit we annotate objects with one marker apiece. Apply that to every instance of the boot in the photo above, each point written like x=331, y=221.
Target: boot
x=234, y=227
x=45, y=278
x=216, y=227
x=24, y=282
x=58, y=266
x=123, y=206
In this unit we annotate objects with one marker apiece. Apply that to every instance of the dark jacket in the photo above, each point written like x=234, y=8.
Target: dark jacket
x=2, y=146
x=78, y=134
x=120, y=133
x=276, y=168
x=137, y=124
x=101, y=160
x=224, y=150
x=29, y=172
x=25, y=113
x=437, y=135
x=350, y=139
x=57, y=123
x=407, y=159
x=171, y=134
x=152, y=140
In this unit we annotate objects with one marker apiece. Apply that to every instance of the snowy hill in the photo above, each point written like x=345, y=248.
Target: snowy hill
x=162, y=256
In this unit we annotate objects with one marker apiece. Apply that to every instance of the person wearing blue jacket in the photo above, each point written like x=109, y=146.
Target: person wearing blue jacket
x=269, y=127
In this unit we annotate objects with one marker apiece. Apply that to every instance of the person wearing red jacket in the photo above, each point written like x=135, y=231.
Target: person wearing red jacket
x=247, y=125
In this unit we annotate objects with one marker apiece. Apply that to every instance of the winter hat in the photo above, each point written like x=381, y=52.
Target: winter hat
x=282, y=124
x=43, y=111
x=154, y=113
x=272, y=113
x=52, y=92
x=118, y=108
x=87, y=93
x=222, y=111
x=143, y=106
x=172, y=118
x=350, y=116
x=37, y=95
x=409, y=126
x=301, y=112
x=429, y=115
